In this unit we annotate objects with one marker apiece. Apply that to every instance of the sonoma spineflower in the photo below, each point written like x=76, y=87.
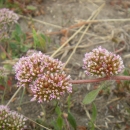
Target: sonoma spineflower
x=7, y=19
x=51, y=86
x=44, y=75
x=100, y=62
x=11, y=120
x=29, y=68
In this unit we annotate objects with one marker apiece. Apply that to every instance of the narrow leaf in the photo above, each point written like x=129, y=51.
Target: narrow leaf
x=55, y=125
x=126, y=72
x=94, y=112
x=60, y=122
x=31, y=7
x=72, y=120
x=90, y=97
x=58, y=111
x=3, y=55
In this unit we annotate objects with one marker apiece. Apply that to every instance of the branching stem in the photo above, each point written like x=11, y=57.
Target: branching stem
x=117, y=78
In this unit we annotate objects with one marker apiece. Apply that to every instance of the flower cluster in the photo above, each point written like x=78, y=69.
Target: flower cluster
x=11, y=120
x=51, y=86
x=7, y=19
x=100, y=62
x=44, y=75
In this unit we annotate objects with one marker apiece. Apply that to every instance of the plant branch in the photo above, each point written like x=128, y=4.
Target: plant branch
x=118, y=78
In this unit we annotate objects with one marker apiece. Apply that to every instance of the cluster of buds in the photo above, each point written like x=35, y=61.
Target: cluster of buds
x=11, y=120
x=100, y=62
x=44, y=75
x=7, y=19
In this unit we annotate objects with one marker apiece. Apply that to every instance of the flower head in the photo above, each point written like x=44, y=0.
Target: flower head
x=44, y=75
x=51, y=86
x=28, y=69
x=101, y=62
x=11, y=120
x=7, y=19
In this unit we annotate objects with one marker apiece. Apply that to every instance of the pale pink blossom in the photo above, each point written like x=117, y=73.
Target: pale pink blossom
x=100, y=62
x=11, y=120
x=44, y=75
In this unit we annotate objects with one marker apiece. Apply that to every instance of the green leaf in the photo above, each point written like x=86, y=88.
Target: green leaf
x=60, y=122
x=35, y=38
x=24, y=49
x=44, y=37
x=94, y=112
x=90, y=97
x=17, y=34
x=18, y=29
x=58, y=111
x=91, y=125
x=72, y=120
x=13, y=46
x=126, y=72
x=31, y=7
x=55, y=125
x=3, y=55
x=8, y=67
x=42, y=43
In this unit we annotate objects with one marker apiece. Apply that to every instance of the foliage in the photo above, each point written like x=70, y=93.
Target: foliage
x=40, y=41
x=93, y=117
x=5, y=81
x=90, y=97
x=19, y=43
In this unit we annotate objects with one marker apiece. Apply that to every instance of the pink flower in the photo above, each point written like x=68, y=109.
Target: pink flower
x=7, y=19
x=51, y=86
x=28, y=69
x=44, y=75
x=100, y=62
x=10, y=119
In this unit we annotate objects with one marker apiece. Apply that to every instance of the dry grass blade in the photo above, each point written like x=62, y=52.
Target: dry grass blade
x=93, y=16
x=37, y=123
x=13, y=96
x=89, y=117
x=87, y=22
x=72, y=47
x=67, y=41
x=39, y=21
x=113, y=100
x=126, y=56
